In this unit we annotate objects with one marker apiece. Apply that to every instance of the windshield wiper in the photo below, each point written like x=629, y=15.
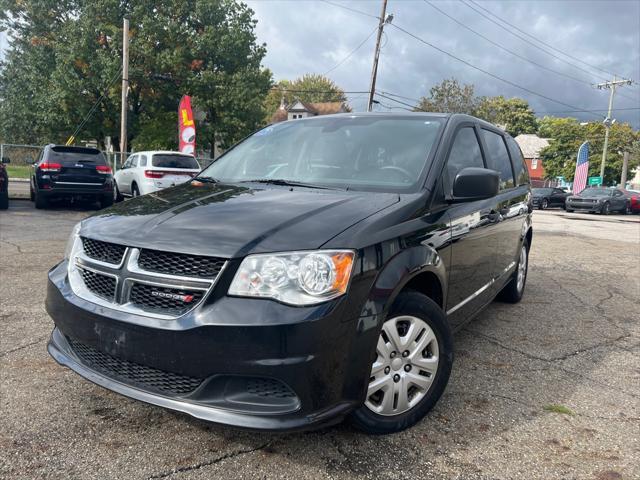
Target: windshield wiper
x=206, y=179
x=288, y=183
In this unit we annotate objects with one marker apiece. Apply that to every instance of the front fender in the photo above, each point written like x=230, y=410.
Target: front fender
x=397, y=273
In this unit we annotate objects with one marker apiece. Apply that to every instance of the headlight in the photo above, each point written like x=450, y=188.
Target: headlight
x=296, y=278
x=73, y=238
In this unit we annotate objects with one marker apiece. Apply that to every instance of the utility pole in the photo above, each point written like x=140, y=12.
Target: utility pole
x=611, y=85
x=374, y=71
x=625, y=167
x=125, y=88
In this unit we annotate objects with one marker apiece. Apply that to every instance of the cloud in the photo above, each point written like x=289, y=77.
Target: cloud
x=313, y=36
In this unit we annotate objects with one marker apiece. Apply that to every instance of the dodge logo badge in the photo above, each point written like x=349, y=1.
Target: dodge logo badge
x=173, y=296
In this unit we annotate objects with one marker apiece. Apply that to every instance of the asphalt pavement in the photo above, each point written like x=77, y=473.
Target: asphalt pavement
x=546, y=389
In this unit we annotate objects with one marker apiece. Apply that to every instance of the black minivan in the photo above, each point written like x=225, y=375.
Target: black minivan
x=314, y=272
x=67, y=171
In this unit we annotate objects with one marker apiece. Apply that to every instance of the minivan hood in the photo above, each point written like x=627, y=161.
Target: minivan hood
x=234, y=220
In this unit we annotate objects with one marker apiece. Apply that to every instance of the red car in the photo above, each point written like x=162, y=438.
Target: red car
x=4, y=185
x=633, y=199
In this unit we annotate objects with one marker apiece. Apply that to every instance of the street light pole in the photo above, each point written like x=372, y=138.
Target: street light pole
x=374, y=71
x=611, y=85
x=125, y=87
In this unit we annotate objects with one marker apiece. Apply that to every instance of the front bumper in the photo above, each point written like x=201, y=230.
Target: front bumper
x=322, y=357
x=584, y=206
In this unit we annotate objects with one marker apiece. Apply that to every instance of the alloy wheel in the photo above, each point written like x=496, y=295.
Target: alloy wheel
x=545, y=204
x=522, y=269
x=405, y=366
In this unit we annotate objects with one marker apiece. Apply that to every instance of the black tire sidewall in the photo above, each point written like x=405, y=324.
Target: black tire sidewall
x=418, y=305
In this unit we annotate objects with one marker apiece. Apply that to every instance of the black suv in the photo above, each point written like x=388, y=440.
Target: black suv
x=4, y=184
x=63, y=171
x=315, y=271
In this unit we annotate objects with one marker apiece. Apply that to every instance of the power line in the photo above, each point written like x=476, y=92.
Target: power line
x=504, y=48
x=497, y=77
x=533, y=44
x=413, y=107
x=352, y=52
x=350, y=9
x=542, y=42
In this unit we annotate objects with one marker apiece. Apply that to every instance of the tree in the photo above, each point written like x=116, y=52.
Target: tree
x=308, y=88
x=513, y=114
x=66, y=54
x=567, y=134
x=449, y=97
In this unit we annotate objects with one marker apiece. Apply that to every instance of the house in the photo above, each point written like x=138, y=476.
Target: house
x=299, y=109
x=531, y=145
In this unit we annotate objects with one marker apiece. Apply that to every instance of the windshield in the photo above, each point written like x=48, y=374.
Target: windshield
x=344, y=152
x=168, y=160
x=71, y=155
x=541, y=191
x=595, y=192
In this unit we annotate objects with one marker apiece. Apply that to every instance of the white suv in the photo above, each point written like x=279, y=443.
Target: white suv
x=146, y=172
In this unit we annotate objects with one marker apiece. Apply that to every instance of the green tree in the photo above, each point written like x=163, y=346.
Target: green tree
x=567, y=134
x=513, y=114
x=449, y=96
x=66, y=53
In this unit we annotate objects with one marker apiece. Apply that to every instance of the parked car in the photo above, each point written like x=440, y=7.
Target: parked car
x=146, y=172
x=313, y=272
x=548, y=197
x=633, y=201
x=598, y=200
x=4, y=184
x=71, y=172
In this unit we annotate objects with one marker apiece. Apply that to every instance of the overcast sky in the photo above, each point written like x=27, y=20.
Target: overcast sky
x=311, y=36
x=304, y=36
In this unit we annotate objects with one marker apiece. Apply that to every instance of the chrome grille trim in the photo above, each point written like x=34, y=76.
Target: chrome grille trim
x=126, y=275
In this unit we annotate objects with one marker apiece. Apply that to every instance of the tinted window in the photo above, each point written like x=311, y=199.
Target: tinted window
x=134, y=161
x=465, y=152
x=498, y=158
x=520, y=170
x=541, y=191
x=347, y=151
x=174, y=161
x=143, y=161
x=595, y=192
x=72, y=155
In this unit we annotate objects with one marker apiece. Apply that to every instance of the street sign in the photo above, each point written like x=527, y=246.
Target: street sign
x=595, y=181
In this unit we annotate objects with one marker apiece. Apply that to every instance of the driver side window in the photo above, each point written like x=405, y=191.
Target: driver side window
x=465, y=152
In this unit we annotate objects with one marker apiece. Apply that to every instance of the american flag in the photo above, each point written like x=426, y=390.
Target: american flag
x=582, y=169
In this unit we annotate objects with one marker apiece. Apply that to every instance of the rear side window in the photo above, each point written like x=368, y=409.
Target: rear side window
x=465, y=152
x=72, y=155
x=143, y=161
x=175, y=161
x=519, y=168
x=498, y=158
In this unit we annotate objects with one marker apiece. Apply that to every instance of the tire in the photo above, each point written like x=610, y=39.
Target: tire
x=513, y=291
x=568, y=210
x=118, y=195
x=135, y=192
x=544, y=204
x=32, y=195
x=606, y=209
x=4, y=200
x=398, y=372
x=41, y=202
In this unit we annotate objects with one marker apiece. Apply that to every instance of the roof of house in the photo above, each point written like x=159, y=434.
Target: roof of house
x=531, y=144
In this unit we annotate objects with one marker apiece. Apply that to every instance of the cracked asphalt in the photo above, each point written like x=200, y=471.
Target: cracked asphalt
x=546, y=389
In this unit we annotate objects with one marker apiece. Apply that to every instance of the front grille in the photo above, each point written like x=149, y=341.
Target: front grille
x=171, y=301
x=134, y=374
x=180, y=264
x=101, y=285
x=267, y=387
x=103, y=251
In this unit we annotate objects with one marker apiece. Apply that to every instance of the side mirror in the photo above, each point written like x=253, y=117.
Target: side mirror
x=6, y=160
x=474, y=183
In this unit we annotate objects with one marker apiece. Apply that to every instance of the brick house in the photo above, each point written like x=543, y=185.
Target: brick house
x=531, y=145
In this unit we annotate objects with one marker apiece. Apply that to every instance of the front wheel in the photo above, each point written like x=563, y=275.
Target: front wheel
x=606, y=209
x=414, y=355
x=544, y=204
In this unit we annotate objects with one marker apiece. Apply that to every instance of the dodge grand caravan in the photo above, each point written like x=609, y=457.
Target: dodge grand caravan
x=314, y=272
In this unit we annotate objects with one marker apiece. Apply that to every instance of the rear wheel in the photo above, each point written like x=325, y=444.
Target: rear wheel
x=513, y=291
x=106, y=201
x=118, y=196
x=134, y=190
x=413, y=362
x=41, y=201
x=32, y=196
